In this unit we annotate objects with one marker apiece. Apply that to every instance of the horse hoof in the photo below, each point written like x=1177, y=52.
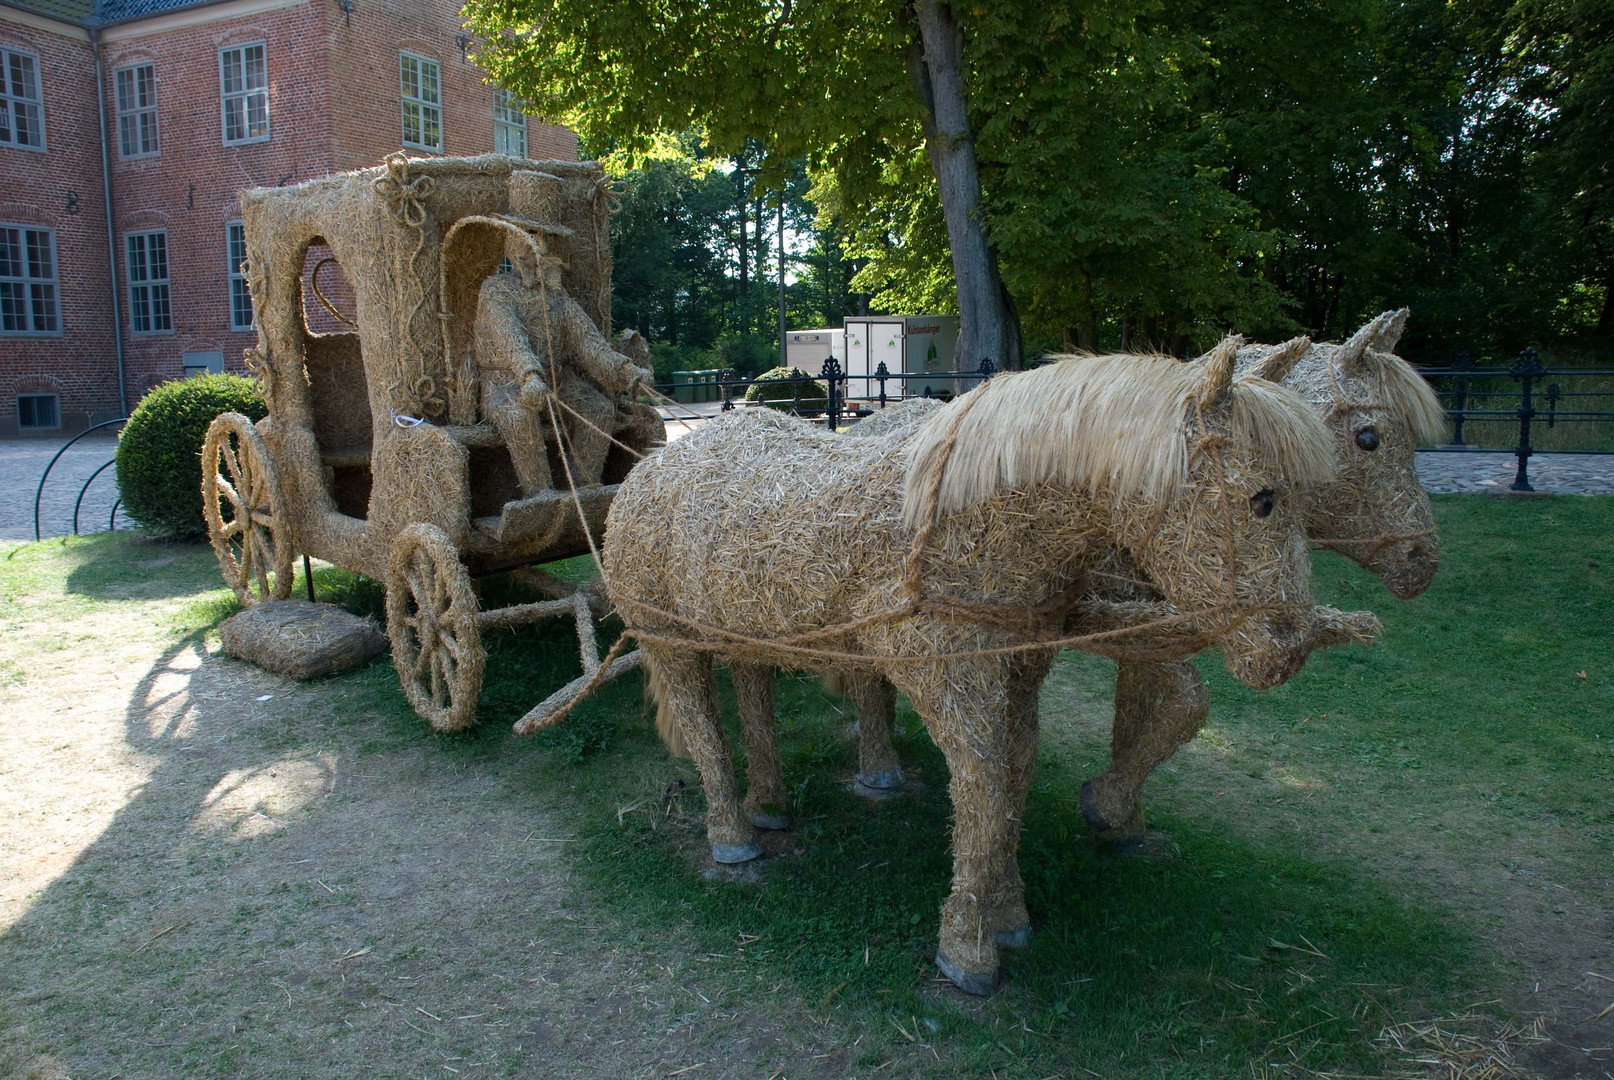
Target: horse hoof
x=884, y=780
x=762, y=820
x=979, y=983
x=1018, y=938
x=736, y=853
x=1090, y=814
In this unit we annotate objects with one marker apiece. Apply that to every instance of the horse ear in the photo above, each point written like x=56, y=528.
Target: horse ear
x=1218, y=365
x=1281, y=360
x=1380, y=335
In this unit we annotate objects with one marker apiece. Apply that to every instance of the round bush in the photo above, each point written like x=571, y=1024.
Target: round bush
x=160, y=451
x=776, y=390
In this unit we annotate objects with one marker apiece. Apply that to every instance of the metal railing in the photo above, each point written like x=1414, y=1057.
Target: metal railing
x=78, y=504
x=1456, y=386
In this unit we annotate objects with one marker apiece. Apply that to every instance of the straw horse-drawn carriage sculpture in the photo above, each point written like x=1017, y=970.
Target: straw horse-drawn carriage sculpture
x=469, y=422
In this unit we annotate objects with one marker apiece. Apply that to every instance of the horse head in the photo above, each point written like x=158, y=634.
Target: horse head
x=1375, y=511
x=1229, y=540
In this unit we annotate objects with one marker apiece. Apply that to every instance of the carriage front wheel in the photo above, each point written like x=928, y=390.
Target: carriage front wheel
x=245, y=511
x=432, y=624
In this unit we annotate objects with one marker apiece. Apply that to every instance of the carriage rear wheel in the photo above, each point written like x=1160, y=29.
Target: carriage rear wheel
x=245, y=511
x=432, y=624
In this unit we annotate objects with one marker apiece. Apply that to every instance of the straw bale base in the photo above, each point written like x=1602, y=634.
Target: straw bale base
x=300, y=639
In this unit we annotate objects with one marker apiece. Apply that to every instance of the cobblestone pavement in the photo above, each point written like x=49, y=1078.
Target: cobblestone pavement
x=1558, y=474
x=22, y=462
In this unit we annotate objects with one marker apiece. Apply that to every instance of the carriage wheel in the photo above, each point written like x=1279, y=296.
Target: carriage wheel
x=245, y=511
x=432, y=624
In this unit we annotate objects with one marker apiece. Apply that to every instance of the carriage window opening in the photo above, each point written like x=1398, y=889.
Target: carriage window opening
x=329, y=306
x=149, y=311
x=38, y=412
x=28, y=281
x=509, y=124
x=235, y=244
x=244, y=93
x=137, y=110
x=20, y=120
x=422, y=95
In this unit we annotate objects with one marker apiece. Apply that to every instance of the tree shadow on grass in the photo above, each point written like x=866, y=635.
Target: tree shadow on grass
x=121, y=567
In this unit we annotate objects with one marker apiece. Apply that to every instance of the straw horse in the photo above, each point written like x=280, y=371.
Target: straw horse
x=1374, y=512
x=950, y=572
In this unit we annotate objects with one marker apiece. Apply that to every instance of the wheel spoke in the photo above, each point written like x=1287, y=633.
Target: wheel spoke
x=437, y=680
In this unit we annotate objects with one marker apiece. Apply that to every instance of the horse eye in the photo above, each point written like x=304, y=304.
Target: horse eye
x=1262, y=502
x=1368, y=439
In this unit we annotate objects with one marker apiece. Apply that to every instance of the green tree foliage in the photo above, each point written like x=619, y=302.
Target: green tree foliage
x=159, y=455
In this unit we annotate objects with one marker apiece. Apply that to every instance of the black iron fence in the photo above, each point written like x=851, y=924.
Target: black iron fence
x=1522, y=400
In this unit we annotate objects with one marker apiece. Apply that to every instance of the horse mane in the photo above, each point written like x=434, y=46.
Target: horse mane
x=1411, y=393
x=1116, y=424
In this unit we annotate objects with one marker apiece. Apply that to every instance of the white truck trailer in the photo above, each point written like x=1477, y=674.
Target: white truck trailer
x=917, y=345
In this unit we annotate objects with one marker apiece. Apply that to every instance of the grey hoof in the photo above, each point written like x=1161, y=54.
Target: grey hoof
x=736, y=853
x=762, y=820
x=1018, y=938
x=1090, y=814
x=980, y=984
x=884, y=780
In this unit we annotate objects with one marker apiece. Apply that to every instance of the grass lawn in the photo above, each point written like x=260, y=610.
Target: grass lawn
x=208, y=870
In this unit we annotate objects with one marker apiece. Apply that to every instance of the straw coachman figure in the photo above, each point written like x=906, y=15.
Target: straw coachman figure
x=533, y=340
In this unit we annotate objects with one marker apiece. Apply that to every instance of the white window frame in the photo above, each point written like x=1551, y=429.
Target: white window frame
x=56, y=406
x=509, y=122
x=32, y=288
x=15, y=99
x=244, y=95
x=148, y=291
x=238, y=279
x=422, y=105
x=134, y=111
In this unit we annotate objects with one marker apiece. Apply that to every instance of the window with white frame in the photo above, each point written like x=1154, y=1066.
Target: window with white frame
x=421, y=90
x=244, y=93
x=28, y=281
x=137, y=110
x=38, y=411
x=509, y=124
x=235, y=242
x=149, y=311
x=21, y=123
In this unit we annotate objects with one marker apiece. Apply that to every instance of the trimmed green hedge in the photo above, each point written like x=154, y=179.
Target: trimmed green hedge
x=160, y=451
x=775, y=390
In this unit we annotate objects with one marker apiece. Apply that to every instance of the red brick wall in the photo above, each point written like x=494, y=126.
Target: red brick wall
x=334, y=104
x=34, y=190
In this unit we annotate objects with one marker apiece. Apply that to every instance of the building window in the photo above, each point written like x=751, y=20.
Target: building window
x=422, y=92
x=38, y=411
x=235, y=243
x=28, y=281
x=20, y=121
x=137, y=110
x=509, y=124
x=148, y=283
x=244, y=88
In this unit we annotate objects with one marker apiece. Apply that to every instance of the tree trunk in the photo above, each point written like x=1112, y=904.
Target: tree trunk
x=988, y=325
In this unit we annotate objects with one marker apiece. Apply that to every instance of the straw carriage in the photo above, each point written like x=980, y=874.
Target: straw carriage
x=379, y=454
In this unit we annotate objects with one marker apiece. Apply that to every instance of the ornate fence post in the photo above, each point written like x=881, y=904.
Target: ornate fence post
x=1553, y=394
x=882, y=373
x=1526, y=369
x=831, y=373
x=727, y=376
x=1462, y=365
x=987, y=368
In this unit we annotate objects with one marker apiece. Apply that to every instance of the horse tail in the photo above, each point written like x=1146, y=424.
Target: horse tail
x=667, y=726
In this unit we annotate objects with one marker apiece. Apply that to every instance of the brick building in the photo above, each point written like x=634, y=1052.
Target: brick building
x=127, y=128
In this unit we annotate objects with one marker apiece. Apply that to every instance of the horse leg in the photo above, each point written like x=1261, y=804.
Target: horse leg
x=976, y=741
x=687, y=695
x=1012, y=921
x=1158, y=708
x=764, y=790
x=876, y=703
